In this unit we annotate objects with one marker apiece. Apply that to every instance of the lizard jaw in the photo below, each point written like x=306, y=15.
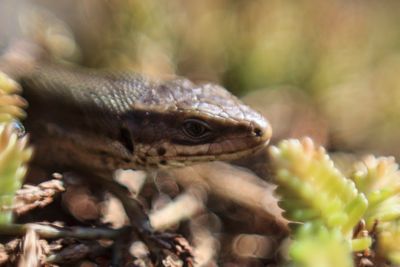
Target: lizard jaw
x=178, y=162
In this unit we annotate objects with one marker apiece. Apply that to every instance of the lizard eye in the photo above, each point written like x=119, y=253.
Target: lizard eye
x=195, y=128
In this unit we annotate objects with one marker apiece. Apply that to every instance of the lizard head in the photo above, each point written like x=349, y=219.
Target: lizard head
x=182, y=123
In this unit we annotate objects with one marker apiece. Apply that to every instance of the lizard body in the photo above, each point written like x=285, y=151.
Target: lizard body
x=104, y=121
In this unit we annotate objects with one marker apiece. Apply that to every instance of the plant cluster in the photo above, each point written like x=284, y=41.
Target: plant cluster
x=338, y=220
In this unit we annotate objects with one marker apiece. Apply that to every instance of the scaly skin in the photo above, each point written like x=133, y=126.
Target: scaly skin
x=100, y=121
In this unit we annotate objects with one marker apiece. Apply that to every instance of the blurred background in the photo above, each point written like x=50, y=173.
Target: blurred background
x=326, y=69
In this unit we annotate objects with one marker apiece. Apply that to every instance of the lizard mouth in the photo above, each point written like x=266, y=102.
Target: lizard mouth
x=230, y=155
x=185, y=161
x=241, y=153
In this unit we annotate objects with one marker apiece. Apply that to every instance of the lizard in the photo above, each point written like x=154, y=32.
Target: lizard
x=99, y=121
x=103, y=120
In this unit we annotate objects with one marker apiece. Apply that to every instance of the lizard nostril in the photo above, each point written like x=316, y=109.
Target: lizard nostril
x=258, y=132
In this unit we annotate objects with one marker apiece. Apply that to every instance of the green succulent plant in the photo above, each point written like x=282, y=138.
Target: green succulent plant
x=336, y=215
x=14, y=152
x=11, y=104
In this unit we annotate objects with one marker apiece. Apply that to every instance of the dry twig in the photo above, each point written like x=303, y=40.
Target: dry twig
x=30, y=196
